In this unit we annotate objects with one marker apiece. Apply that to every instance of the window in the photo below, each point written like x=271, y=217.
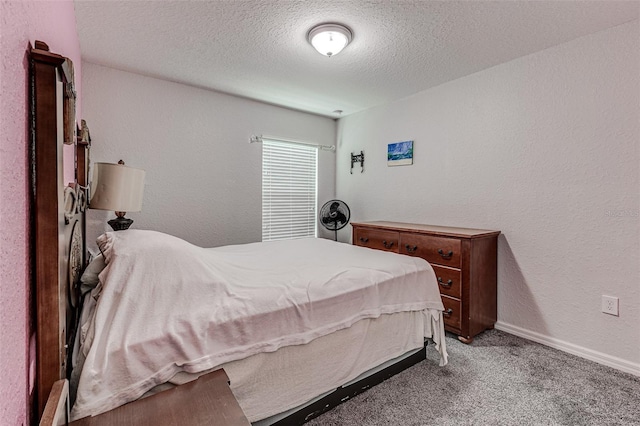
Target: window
x=289, y=188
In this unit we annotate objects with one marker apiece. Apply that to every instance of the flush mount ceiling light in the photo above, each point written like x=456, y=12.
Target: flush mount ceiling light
x=329, y=39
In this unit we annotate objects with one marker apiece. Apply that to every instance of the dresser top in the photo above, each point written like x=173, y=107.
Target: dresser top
x=447, y=231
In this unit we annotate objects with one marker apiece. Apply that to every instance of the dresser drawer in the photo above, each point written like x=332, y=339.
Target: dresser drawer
x=452, y=311
x=449, y=281
x=376, y=239
x=438, y=250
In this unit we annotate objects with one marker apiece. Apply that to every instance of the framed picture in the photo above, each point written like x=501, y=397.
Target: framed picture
x=400, y=153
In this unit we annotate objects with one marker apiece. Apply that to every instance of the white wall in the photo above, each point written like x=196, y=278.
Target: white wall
x=545, y=149
x=203, y=178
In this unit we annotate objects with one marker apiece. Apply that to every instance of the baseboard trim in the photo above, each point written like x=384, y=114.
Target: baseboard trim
x=591, y=355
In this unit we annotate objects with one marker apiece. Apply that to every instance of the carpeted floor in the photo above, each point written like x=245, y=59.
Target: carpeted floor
x=499, y=379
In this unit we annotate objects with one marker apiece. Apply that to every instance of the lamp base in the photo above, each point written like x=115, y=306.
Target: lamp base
x=120, y=223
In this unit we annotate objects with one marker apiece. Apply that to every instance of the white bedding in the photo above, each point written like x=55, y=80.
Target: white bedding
x=168, y=306
x=271, y=383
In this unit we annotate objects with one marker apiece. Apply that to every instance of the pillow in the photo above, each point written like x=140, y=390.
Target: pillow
x=89, y=279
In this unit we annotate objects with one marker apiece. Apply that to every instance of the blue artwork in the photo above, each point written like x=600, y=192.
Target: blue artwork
x=400, y=153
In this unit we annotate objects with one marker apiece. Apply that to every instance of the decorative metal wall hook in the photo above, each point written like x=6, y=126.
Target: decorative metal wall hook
x=357, y=158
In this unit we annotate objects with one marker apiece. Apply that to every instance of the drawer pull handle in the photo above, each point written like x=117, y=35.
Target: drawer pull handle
x=364, y=240
x=448, y=312
x=445, y=255
x=411, y=249
x=443, y=284
x=387, y=244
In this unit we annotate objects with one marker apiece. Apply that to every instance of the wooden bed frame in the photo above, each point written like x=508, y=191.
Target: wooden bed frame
x=57, y=216
x=59, y=242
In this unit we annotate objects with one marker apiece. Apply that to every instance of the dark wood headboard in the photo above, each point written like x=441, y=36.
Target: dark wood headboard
x=57, y=214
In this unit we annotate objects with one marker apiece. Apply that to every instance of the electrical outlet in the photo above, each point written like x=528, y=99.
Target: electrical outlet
x=610, y=305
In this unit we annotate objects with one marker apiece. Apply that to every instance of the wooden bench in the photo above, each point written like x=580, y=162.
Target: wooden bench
x=205, y=401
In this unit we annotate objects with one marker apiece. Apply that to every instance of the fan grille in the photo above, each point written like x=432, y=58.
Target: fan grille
x=334, y=215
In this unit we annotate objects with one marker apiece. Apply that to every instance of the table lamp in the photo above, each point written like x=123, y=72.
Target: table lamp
x=119, y=188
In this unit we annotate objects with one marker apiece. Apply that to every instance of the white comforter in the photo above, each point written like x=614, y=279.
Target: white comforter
x=167, y=306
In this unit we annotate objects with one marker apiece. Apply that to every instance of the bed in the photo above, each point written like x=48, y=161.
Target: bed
x=167, y=307
x=293, y=323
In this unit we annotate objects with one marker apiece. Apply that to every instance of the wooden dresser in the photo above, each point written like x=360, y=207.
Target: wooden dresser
x=464, y=260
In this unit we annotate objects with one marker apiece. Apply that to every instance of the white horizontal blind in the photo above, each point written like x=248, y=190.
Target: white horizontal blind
x=289, y=187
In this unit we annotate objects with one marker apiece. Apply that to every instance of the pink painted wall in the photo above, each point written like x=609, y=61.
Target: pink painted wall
x=22, y=22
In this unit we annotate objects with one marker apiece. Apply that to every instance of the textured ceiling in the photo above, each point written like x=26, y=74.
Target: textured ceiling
x=258, y=49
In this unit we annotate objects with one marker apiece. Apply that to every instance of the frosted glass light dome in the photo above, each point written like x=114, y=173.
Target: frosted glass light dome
x=330, y=39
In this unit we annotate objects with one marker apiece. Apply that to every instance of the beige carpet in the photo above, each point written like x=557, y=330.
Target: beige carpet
x=499, y=379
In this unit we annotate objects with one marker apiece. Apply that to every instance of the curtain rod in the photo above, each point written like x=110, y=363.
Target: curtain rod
x=258, y=139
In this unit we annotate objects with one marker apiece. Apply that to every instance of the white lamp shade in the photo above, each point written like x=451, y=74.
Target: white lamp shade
x=116, y=187
x=330, y=39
